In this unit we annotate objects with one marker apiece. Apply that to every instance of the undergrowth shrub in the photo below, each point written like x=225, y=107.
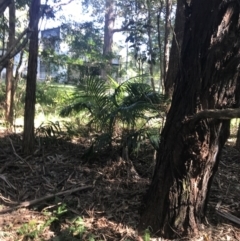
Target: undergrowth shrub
x=130, y=112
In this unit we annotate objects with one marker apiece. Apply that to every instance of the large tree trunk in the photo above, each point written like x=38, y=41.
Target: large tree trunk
x=188, y=155
x=108, y=27
x=30, y=99
x=175, y=52
x=9, y=69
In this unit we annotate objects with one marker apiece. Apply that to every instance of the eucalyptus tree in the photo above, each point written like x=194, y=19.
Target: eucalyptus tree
x=109, y=12
x=10, y=88
x=21, y=37
x=197, y=125
x=175, y=52
x=30, y=98
x=11, y=44
x=36, y=11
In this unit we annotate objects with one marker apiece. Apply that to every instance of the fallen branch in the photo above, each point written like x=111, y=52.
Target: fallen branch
x=226, y=114
x=228, y=216
x=35, y=201
x=15, y=153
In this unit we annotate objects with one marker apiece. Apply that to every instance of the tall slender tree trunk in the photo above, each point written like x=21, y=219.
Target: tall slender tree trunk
x=167, y=38
x=149, y=32
x=30, y=99
x=108, y=27
x=9, y=69
x=161, y=77
x=189, y=152
x=108, y=36
x=175, y=52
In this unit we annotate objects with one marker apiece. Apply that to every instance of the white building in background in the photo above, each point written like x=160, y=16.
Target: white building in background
x=50, y=39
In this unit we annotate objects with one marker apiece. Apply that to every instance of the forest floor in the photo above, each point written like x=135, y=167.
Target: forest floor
x=57, y=195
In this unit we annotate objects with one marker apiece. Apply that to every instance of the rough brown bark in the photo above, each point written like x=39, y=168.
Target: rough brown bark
x=30, y=99
x=188, y=155
x=175, y=52
x=10, y=90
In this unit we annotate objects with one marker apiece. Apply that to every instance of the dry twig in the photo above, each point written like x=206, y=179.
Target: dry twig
x=35, y=201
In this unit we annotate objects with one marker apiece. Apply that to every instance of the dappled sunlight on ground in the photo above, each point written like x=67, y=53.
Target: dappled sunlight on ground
x=98, y=198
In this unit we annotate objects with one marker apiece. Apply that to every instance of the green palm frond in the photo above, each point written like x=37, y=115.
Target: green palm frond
x=136, y=99
x=50, y=129
x=91, y=97
x=110, y=104
x=77, y=107
x=154, y=137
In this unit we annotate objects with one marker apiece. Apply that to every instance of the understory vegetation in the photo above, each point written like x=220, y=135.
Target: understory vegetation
x=117, y=120
x=110, y=114
x=100, y=134
x=112, y=121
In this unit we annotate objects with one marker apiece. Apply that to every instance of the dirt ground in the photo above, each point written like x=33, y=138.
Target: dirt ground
x=57, y=195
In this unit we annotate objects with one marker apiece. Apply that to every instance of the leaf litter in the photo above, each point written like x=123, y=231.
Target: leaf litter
x=98, y=199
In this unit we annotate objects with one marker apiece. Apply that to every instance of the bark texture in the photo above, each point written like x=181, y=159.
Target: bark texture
x=108, y=36
x=30, y=99
x=175, y=52
x=188, y=155
x=108, y=27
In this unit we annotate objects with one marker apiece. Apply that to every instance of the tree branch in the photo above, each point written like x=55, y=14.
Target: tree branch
x=124, y=28
x=16, y=48
x=47, y=197
x=19, y=45
x=215, y=114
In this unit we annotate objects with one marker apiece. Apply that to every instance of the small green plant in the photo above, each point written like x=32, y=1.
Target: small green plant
x=77, y=228
x=147, y=235
x=32, y=230
x=60, y=210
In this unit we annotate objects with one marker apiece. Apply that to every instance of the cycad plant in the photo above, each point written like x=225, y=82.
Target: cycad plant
x=128, y=107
